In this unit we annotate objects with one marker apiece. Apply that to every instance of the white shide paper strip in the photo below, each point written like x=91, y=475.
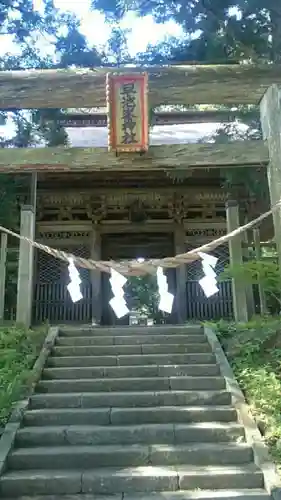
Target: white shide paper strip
x=166, y=299
x=209, y=282
x=118, y=303
x=75, y=281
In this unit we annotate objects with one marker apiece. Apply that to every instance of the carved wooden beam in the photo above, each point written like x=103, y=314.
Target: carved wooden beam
x=108, y=227
x=197, y=84
x=166, y=157
x=57, y=197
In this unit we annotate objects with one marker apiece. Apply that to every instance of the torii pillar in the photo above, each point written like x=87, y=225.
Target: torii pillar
x=96, y=275
x=270, y=111
x=240, y=309
x=180, y=298
x=26, y=256
x=25, y=269
x=3, y=263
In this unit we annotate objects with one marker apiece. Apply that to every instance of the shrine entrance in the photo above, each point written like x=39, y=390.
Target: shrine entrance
x=125, y=221
x=129, y=246
x=52, y=302
x=51, y=299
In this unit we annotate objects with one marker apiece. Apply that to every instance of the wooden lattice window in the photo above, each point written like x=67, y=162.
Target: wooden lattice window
x=194, y=270
x=52, y=270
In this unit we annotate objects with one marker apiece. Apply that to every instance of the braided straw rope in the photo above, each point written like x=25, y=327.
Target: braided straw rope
x=135, y=268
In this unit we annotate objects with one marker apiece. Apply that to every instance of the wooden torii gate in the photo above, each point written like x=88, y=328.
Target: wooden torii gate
x=184, y=85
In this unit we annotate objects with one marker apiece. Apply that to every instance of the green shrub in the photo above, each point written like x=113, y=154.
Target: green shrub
x=254, y=272
x=254, y=351
x=19, y=349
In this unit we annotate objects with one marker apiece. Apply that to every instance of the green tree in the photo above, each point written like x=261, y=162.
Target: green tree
x=253, y=272
x=222, y=30
x=116, y=51
x=141, y=293
x=45, y=39
x=73, y=49
x=64, y=46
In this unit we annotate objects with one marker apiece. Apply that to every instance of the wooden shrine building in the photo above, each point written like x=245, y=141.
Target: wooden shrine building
x=156, y=201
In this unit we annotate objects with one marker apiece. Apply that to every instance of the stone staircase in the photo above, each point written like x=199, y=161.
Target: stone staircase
x=132, y=413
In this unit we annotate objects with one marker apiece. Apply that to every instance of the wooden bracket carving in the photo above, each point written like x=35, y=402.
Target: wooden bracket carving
x=177, y=208
x=96, y=212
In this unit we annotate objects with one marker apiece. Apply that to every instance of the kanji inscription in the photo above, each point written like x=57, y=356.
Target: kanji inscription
x=127, y=112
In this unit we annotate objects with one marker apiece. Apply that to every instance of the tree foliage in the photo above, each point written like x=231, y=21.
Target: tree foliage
x=142, y=294
x=46, y=39
x=216, y=30
x=253, y=272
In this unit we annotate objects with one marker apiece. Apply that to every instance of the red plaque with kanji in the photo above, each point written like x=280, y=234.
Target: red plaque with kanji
x=128, y=127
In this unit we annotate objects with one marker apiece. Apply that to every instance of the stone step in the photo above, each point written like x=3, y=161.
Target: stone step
x=136, y=360
x=130, y=416
x=88, y=434
x=208, y=432
x=116, y=350
x=246, y=494
x=135, y=330
x=130, y=340
x=108, y=481
x=130, y=399
x=88, y=457
x=255, y=494
x=130, y=371
x=130, y=384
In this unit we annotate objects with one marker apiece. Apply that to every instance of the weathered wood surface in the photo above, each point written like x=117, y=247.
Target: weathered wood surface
x=258, y=255
x=3, y=264
x=77, y=120
x=240, y=309
x=115, y=227
x=171, y=157
x=197, y=84
x=271, y=125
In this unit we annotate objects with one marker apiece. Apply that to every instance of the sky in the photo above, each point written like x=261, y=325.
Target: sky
x=144, y=31
x=93, y=26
